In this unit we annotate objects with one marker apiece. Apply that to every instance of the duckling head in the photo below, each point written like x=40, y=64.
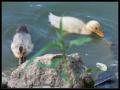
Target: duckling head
x=94, y=27
x=22, y=29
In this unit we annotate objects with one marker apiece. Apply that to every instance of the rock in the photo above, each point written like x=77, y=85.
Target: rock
x=88, y=82
x=37, y=75
x=4, y=80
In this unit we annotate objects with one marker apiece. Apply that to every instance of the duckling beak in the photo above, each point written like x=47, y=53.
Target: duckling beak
x=99, y=33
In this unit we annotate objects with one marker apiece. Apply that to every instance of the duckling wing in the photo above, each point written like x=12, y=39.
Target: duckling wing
x=70, y=24
x=29, y=45
x=27, y=42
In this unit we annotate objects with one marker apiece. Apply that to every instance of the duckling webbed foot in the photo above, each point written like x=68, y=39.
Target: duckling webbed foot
x=21, y=60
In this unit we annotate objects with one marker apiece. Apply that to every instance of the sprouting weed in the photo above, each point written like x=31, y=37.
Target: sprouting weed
x=60, y=45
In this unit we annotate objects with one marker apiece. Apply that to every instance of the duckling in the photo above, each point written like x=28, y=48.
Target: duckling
x=73, y=25
x=22, y=44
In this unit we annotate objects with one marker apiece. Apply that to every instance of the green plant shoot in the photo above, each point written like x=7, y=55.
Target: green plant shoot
x=59, y=44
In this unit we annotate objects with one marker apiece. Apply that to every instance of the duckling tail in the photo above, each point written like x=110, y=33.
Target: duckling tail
x=54, y=20
x=20, y=49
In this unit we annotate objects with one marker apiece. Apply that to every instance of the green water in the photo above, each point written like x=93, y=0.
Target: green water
x=35, y=15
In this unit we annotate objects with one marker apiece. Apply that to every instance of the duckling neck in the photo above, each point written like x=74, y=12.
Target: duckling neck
x=85, y=31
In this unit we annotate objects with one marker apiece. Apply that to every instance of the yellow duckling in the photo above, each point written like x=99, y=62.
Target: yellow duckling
x=76, y=26
x=21, y=44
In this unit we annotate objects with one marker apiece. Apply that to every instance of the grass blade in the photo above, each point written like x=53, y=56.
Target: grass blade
x=41, y=52
x=79, y=41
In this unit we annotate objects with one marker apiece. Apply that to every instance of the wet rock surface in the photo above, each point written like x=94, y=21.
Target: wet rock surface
x=35, y=76
x=5, y=79
x=108, y=79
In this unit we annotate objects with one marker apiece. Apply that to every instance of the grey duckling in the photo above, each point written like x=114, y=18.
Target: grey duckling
x=22, y=44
